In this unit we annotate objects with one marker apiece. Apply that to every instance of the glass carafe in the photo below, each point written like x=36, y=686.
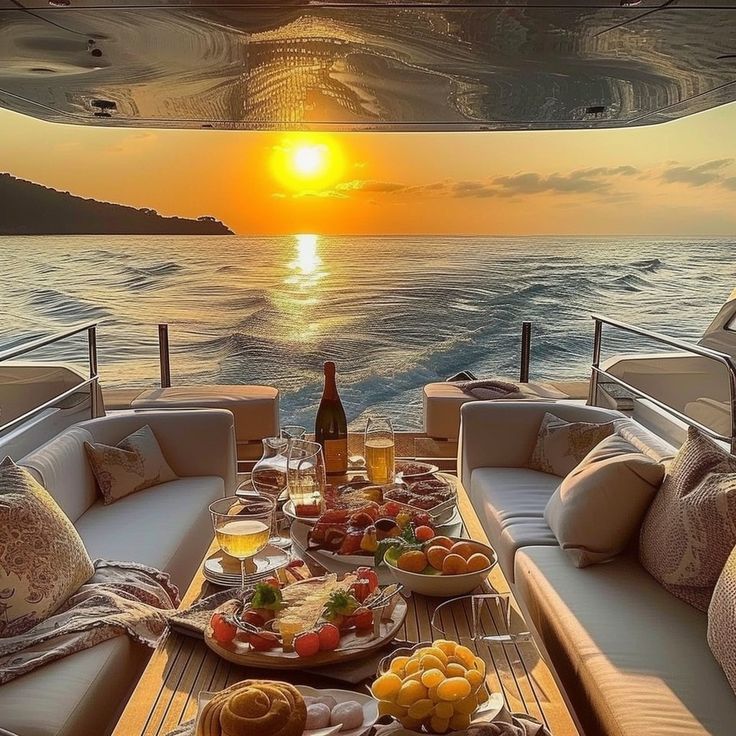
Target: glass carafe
x=269, y=478
x=269, y=473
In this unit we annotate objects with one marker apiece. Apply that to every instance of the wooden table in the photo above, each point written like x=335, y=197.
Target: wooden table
x=181, y=666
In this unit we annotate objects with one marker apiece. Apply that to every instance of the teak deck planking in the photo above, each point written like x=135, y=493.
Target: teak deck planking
x=182, y=666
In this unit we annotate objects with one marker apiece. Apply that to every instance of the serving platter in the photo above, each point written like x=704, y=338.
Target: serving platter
x=353, y=644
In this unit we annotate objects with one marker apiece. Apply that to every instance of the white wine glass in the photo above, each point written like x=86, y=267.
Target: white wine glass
x=492, y=618
x=242, y=526
x=306, y=477
x=379, y=450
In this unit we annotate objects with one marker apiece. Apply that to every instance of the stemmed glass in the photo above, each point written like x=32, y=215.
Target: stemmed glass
x=379, y=450
x=242, y=526
x=491, y=616
x=293, y=432
x=306, y=477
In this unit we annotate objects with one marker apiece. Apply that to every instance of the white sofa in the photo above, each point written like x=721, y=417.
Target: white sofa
x=166, y=526
x=632, y=659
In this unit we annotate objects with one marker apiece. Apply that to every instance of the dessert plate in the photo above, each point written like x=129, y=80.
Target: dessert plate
x=370, y=709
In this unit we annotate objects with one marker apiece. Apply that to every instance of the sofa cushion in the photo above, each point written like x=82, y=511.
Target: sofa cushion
x=42, y=558
x=510, y=504
x=722, y=620
x=61, y=467
x=690, y=528
x=167, y=526
x=631, y=657
x=134, y=464
x=599, y=506
x=561, y=445
x=82, y=694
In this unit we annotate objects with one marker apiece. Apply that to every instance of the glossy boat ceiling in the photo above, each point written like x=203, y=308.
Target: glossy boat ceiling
x=367, y=65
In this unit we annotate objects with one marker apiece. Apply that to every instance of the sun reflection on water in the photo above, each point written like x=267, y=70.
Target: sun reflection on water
x=306, y=262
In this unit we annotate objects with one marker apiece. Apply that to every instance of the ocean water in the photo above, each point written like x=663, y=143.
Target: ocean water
x=393, y=312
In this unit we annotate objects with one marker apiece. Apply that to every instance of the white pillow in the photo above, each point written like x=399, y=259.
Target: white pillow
x=600, y=505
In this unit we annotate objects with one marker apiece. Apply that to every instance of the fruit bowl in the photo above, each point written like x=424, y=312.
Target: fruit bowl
x=434, y=688
x=433, y=582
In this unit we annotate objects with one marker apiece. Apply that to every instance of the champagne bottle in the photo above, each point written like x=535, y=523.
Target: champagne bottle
x=331, y=427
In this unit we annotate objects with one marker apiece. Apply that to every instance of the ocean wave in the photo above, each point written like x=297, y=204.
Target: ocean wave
x=60, y=306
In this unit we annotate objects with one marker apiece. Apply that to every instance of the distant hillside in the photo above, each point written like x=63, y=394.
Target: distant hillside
x=31, y=209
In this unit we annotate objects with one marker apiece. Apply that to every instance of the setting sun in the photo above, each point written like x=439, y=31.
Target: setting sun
x=309, y=160
x=307, y=164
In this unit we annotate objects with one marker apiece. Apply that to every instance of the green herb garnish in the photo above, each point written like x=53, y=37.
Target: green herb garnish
x=265, y=596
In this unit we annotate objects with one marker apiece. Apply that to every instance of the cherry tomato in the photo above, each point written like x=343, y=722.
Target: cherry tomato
x=363, y=619
x=254, y=618
x=392, y=508
x=307, y=643
x=424, y=533
x=369, y=575
x=263, y=641
x=360, y=589
x=329, y=637
x=223, y=632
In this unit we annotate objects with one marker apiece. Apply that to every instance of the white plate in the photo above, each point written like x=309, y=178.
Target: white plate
x=223, y=569
x=370, y=710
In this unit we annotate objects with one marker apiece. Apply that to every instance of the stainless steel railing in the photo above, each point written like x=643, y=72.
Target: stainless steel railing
x=92, y=381
x=597, y=372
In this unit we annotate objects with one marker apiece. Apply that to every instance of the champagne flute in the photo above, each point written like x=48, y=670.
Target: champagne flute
x=306, y=477
x=242, y=526
x=379, y=450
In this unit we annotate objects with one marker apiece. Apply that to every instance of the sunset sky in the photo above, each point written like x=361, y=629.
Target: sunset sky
x=678, y=178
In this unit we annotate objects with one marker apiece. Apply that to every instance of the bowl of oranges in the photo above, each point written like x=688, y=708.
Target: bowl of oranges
x=432, y=688
x=443, y=567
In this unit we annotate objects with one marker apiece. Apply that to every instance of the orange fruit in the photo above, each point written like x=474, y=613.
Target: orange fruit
x=414, y=561
x=464, y=549
x=436, y=556
x=454, y=565
x=424, y=533
x=445, y=542
x=478, y=561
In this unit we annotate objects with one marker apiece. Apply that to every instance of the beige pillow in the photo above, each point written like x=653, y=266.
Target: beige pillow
x=690, y=528
x=42, y=558
x=562, y=445
x=136, y=463
x=722, y=620
x=599, y=506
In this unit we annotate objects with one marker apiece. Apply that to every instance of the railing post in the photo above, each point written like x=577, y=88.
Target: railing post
x=92, y=352
x=597, y=339
x=163, y=355
x=526, y=351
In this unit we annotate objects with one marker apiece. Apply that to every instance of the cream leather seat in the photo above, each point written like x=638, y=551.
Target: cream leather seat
x=255, y=408
x=166, y=526
x=632, y=658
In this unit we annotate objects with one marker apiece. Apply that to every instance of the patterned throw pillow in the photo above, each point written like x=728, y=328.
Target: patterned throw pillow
x=722, y=620
x=690, y=528
x=42, y=558
x=136, y=463
x=562, y=445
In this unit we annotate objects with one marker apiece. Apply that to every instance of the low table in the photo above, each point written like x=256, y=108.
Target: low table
x=182, y=666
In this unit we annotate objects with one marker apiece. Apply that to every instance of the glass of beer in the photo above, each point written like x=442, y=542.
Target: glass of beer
x=306, y=477
x=242, y=526
x=379, y=450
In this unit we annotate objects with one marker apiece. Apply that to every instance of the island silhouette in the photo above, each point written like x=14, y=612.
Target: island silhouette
x=27, y=208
